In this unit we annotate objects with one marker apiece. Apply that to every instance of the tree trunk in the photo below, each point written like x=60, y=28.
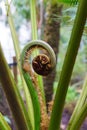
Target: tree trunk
x=52, y=36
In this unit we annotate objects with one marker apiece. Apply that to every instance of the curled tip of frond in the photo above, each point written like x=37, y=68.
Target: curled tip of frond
x=42, y=64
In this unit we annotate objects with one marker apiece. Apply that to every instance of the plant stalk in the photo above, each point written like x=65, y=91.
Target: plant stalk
x=68, y=65
x=17, y=51
x=78, y=120
x=13, y=96
x=79, y=105
x=3, y=123
x=33, y=19
x=35, y=37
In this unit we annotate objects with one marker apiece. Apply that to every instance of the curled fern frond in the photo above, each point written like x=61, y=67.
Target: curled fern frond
x=43, y=63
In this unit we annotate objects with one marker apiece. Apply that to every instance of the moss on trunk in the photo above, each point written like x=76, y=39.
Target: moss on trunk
x=52, y=36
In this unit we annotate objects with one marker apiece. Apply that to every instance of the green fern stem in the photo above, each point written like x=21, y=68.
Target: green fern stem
x=68, y=65
x=17, y=51
x=78, y=120
x=13, y=96
x=35, y=37
x=3, y=123
x=81, y=102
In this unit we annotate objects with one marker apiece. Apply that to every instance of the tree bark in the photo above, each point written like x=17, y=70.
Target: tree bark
x=52, y=36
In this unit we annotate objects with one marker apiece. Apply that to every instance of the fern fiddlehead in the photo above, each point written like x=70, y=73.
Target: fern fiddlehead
x=42, y=64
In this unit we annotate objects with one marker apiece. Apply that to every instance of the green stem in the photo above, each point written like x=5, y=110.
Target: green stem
x=35, y=100
x=33, y=92
x=13, y=96
x=13, y=31
x=68, y=65
x=78, y=120
x=35, y=37
x=17, y=51
x=79, y=104
x=33, y=19
x=3, y=123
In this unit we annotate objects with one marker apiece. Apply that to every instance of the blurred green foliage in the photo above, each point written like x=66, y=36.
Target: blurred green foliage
x=21, y=13
x=67, y=21
x=72, y=94
x=22, y=7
